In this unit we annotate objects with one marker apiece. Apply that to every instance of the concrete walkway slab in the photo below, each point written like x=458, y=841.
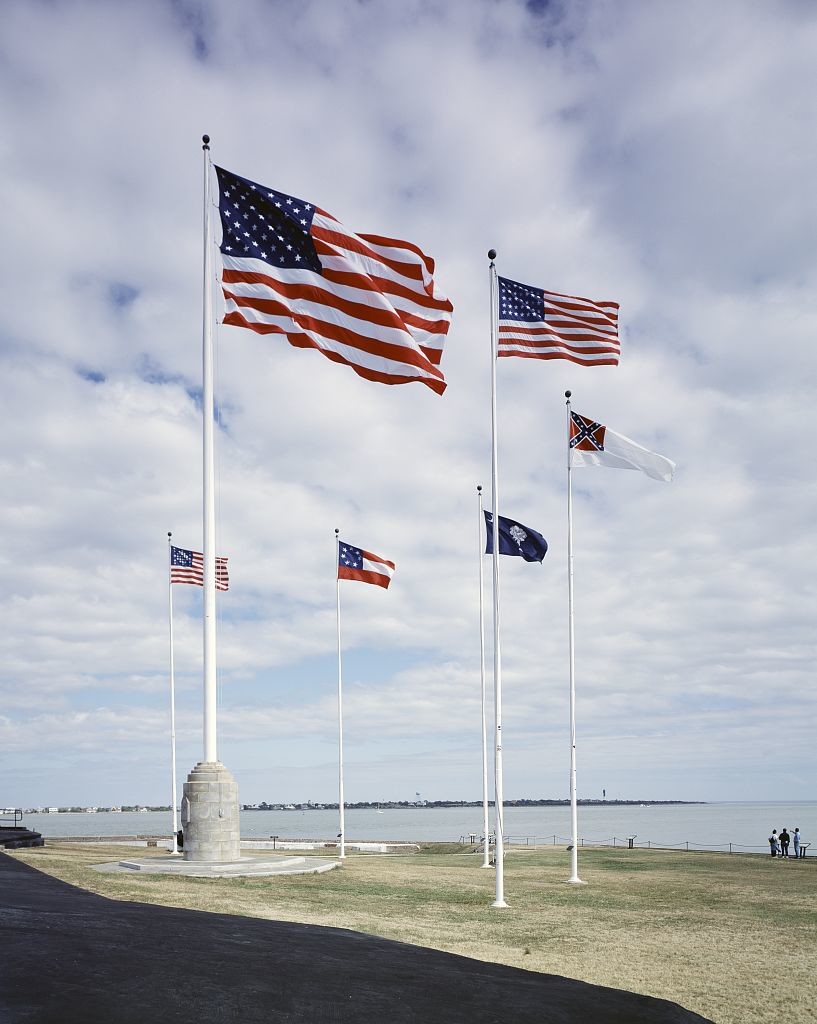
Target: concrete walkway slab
x=246, y=867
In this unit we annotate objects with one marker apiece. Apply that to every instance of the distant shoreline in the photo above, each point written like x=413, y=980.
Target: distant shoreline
x=370, y=805
x=399, y=805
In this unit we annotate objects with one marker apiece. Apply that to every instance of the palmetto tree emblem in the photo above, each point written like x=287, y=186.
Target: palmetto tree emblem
x=518, y=535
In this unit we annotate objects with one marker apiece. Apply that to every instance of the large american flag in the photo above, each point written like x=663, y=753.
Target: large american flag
x=188, y=567
x=364, y=300
x=537, y=324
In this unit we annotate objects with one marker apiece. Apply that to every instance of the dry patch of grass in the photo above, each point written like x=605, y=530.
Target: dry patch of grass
x=731, y=937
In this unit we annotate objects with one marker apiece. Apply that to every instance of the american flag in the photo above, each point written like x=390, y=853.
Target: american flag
x=357, y=564
x=188, y=567
x=537, y=324
x=363, y=300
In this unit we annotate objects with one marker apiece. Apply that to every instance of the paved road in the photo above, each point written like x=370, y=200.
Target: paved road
x=67, y=956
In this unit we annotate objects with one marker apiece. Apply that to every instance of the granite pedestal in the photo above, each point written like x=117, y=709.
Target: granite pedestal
x=210, y=815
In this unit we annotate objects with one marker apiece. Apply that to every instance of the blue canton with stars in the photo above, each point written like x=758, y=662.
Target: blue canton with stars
x=349, y=557
x=260, y=223
x=520, y=302
x=181, y=556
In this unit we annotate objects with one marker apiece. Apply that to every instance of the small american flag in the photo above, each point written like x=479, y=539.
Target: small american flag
x=536, y=324
x=188, y=567
x=363, y=300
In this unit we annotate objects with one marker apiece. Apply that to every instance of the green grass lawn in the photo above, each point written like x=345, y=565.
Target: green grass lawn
x=732, y=937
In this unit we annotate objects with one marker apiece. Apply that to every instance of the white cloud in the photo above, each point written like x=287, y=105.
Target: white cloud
x=658, y=155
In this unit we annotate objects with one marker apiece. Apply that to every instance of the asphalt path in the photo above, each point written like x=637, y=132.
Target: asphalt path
x=70, y=956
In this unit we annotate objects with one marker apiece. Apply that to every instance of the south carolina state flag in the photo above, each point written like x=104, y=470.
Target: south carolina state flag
x=514, y=539
x=357, y=564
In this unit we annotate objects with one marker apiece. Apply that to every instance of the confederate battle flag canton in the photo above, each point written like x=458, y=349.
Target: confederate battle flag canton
x=585, y=435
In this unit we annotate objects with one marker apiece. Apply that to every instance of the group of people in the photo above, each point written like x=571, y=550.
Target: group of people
x=780, y=843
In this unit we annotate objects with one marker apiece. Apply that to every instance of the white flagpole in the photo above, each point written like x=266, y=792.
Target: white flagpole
x=210, y=815
x=173, y=800
x=486, y=856
x=574, y=818
x=340, y=708
x=499, y=847
x=209, y=498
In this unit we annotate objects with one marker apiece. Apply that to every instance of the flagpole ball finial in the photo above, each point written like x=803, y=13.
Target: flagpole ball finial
x=205, y=141
x=568, y=394
x=479, y=488
x=169, y=533
x=337, y=531
x=492, y=254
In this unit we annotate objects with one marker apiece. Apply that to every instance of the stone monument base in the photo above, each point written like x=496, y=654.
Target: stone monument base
x=210, y=815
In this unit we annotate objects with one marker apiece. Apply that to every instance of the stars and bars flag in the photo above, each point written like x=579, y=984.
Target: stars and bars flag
x=366, y=301
x=514, y=539
x=592, y=444
x=357, y=564
x=188, y=567
x=537, y=324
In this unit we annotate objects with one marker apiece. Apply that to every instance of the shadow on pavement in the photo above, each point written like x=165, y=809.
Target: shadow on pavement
x=67, y=955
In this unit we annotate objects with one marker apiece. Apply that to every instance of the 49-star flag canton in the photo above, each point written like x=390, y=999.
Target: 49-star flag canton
x=537, y=324
x=357, y=564
x=367, y=301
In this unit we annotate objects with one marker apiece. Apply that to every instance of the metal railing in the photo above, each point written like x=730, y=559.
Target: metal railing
x=629, y=842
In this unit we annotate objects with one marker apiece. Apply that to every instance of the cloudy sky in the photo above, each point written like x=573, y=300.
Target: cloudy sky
x=661, y=154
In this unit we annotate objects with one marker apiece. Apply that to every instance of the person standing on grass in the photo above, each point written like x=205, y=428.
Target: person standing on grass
x=796, y=838
x=773, y=844
x=784, y=842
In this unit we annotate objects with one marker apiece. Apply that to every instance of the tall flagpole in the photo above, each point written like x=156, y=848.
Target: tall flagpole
x=574, y=818
x=210, y=816
x=341, y=826
x=486, y=855
x=173, y=798
x=209, y=494
x=499, y=848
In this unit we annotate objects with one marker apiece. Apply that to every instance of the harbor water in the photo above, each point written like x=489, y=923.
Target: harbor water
x=739, y=827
